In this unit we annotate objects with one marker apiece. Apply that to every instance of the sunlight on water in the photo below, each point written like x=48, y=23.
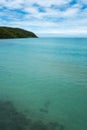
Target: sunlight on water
x=46, y=79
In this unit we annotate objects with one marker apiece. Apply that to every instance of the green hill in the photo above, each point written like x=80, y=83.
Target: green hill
x=9, y=32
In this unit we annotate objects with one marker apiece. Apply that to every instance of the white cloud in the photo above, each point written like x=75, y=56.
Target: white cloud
x=19, y=3
x=54, y=20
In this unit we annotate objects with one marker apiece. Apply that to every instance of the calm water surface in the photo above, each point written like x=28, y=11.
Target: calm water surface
x=46, y=79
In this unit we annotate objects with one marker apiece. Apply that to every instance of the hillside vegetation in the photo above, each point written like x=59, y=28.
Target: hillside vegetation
x=9, y=32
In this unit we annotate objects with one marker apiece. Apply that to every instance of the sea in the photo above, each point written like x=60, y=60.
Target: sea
x=46, y=79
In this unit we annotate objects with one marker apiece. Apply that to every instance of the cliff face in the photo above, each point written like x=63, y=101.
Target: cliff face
x=9, y=32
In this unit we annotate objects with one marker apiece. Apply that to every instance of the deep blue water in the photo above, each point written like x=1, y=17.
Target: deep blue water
x=46, y=78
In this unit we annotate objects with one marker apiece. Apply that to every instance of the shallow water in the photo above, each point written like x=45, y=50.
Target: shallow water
x=46, y=79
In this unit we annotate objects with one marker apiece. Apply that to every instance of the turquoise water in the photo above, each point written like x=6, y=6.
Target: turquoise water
x=46, y=79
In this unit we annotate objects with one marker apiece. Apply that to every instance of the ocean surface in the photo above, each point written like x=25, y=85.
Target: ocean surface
x=46, y=79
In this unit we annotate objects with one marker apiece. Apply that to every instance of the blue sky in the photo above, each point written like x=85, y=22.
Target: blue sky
x=47, y=17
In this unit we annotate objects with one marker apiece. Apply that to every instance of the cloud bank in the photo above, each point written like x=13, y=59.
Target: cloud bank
x=56, y=17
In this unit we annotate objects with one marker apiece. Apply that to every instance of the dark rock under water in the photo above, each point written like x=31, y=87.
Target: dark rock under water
x=44, y=110
x=11, y=119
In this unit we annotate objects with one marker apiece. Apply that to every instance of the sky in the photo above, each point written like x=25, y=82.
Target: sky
x=46, y=17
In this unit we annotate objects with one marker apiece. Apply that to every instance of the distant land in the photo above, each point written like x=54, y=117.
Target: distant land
x=9, y=32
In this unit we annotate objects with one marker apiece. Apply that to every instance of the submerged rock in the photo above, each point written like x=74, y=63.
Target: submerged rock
x=53, y=126
x=11, y=119
x=44, y=110
x=38, y=125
